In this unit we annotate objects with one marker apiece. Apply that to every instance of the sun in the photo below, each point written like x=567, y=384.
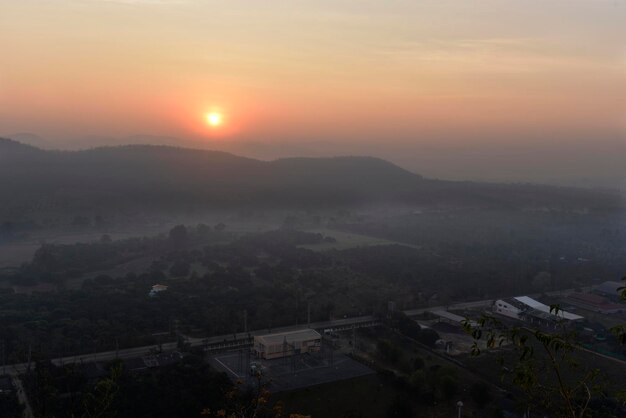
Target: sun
x=214, y=119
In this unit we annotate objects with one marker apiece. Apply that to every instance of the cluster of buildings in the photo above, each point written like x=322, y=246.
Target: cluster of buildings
x=610, y=290
x=603, y=298
x=595, y=303
x=527, y=309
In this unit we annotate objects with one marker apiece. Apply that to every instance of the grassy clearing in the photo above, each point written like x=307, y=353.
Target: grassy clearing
x=346, y=240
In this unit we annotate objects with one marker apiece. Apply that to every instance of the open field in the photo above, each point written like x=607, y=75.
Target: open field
x=347, y=240
x=15, y=253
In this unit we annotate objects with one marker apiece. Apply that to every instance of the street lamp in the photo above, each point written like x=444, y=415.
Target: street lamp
x=459, y=404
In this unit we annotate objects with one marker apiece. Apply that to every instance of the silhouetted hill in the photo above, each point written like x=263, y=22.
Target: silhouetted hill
x=162, y=177
x=29, y=139
x=10, y=148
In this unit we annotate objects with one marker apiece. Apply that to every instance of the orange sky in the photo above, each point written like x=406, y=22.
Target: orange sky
x=360, y=70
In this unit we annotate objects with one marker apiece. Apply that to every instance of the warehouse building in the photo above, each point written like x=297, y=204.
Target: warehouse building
x=595, y=303
x=527, y=309
x=451, y=318
x=610, y=290
x=284, y=344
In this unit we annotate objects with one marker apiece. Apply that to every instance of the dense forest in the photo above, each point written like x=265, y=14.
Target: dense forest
x=214, y=276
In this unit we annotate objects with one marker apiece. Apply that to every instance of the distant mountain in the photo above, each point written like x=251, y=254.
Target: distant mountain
x=29, y=139
x=10, y=149
x=162, y=177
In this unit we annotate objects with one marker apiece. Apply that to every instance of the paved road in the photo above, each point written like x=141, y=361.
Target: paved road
x=21, y=396
x=369, y=320
x=140, y=351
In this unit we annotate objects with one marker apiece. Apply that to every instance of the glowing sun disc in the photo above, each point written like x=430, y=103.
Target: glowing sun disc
x=214, y=119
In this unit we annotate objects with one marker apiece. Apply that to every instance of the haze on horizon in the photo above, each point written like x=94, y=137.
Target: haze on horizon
x=494, y=90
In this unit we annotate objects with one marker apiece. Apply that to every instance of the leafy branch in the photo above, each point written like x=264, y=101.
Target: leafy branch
x=620, y=330
x=543, y=361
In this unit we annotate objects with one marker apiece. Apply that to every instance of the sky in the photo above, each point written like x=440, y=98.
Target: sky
x=509, y=90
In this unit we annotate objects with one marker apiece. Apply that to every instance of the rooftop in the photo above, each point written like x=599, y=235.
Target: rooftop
x=452, y=317
x=610, y=288
x=279, y=338
x=538, y=306
x=594, y=301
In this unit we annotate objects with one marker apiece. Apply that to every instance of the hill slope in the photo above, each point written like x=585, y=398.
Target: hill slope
x=160, y=177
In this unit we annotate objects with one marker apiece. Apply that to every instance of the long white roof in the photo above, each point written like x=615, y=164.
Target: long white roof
x=452, y=317
x=530, y=302
x=291, y=337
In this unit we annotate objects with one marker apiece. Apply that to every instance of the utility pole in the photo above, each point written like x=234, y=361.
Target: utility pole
x=245, y=321
x=4, y=358
x=30, y=351
x=308, y=314
x=297, y=308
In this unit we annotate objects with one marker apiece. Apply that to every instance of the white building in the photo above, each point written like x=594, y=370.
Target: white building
x=286, y=343
x=509, y=309
x=528, y=309
x=538, y=306
x=156, y=289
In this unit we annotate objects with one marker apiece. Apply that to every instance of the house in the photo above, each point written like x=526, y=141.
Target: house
x=157, y=288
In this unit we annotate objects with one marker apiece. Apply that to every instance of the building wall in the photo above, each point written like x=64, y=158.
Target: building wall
x=277, y=350
x=503, y=308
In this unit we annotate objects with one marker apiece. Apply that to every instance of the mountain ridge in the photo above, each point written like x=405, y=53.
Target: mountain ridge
x=175, y=177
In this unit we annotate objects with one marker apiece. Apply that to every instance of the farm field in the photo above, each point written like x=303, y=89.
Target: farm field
x=346, y=240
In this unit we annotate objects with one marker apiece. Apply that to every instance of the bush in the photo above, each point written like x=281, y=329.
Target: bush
x=481, y=394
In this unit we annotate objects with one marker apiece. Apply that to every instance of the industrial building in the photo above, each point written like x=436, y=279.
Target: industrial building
x=528, y=309
x=595, y=303
x=451, y=318
x=284, y=344
x=610, y=290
